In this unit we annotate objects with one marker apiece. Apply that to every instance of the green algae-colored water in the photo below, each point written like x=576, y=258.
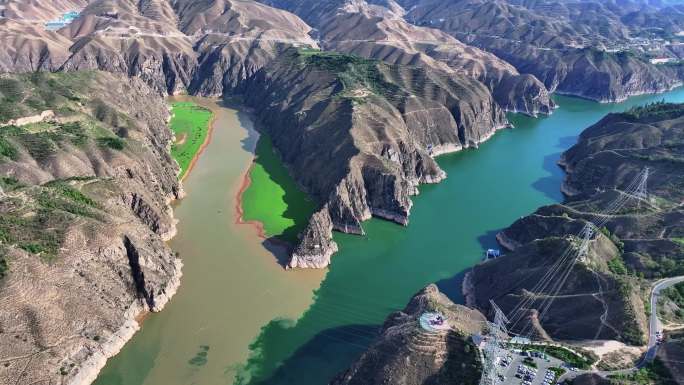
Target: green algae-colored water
x=272, y=198
x=209, y=334
x=190, y=124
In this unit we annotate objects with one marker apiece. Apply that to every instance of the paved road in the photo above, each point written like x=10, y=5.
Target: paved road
x=654, y=324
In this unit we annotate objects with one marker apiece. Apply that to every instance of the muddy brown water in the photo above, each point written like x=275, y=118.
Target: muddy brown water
x=231, y=286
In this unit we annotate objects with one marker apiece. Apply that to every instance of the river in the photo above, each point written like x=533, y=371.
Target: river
x=232, y=286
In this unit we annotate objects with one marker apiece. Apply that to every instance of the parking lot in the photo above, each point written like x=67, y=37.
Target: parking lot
x=527, y=375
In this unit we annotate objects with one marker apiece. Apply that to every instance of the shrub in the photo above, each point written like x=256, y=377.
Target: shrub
x=617, y=266
x=7, y=149
x=112, y=142
x=4, y=267
x=33, y=248
x=71, y=193
x=39, y=145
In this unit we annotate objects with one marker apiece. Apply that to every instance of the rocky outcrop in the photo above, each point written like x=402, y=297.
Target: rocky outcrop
x=357, y=134
x=83, y=222
x=316, y=245
x=601, y=296
x=407, y=354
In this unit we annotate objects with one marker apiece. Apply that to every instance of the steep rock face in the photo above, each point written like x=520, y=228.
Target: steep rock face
x=84, y=215
x=639, y=240
x=406, y=354
x=358, y=134
x=378, y=31
x=589, y=73
x=578, y=48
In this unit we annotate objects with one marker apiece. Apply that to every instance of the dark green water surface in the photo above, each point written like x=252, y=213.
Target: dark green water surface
x=451, y=224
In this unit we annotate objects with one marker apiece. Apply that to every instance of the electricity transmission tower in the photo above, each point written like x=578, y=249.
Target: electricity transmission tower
x=497, y=333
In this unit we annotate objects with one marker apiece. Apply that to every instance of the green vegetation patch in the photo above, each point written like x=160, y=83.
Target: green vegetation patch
x=653, y=373
x=37, y=224
x=354, y=72
x=4, y=265
x=578, y=361
x=617, y=266
x=655, y=111
x=190, y=124
x=557, y=371
x=43, y=140
x=36, y=234
x=7, y=149
x=111, y=142
x=675, y=295
x=273, y=198
x=28, y=94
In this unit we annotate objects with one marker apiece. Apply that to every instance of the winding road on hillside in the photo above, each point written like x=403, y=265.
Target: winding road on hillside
x=654, y=327
x=654, y=324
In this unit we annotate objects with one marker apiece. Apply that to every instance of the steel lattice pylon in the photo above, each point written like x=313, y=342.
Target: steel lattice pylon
x=497, y=333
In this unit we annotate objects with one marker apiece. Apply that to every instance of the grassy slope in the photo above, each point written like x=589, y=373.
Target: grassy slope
x=190, y=123
x=273, y=198
x=35, y=218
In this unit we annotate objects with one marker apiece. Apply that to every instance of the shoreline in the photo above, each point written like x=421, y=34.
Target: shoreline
x=621, y=99
x=136, y=314
x=255, y=224
x=205, y=143
x=239, y=212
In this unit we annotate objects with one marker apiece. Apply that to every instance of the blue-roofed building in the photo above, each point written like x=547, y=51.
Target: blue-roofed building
x=65, y=20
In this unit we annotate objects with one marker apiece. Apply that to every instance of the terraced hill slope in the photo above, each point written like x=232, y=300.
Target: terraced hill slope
x=406, y=354
x=181, y=46
x=379, y=31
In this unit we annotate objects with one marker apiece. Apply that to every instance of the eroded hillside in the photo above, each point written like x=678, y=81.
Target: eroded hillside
x=593, y=49
x=603, y=296
x=359, y=135
x=86, y=183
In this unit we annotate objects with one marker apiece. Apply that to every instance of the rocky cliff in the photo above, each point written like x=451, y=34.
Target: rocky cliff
x=602, y=295
x=84, y=212
x=407, y=354
x=359, y=135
